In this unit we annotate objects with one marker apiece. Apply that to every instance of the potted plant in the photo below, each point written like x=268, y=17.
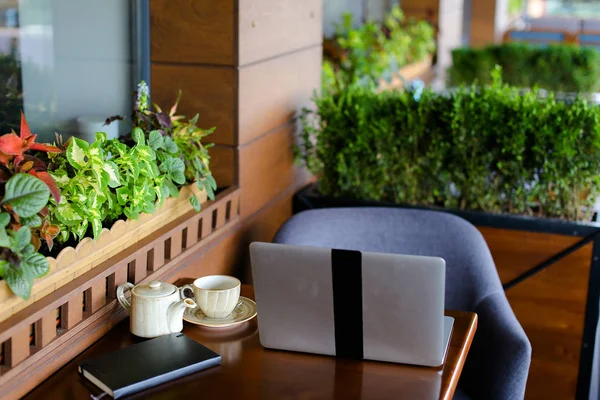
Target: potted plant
x=521, y=167
x=377, y=54
x=106, y=196
x=25, y=188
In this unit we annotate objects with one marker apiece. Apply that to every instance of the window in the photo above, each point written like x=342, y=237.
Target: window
x=70, y=63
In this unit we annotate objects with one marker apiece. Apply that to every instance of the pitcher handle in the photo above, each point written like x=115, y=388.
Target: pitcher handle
x=183, y=289
x=121, y=295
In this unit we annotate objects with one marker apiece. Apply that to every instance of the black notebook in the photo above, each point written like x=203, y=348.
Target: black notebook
x=147, y=364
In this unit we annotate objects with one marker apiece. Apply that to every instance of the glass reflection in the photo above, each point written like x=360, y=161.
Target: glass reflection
x=62, y=61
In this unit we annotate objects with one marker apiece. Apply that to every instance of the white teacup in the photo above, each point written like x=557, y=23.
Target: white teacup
x=216, y=295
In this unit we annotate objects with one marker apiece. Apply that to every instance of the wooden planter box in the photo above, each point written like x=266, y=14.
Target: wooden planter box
x=74, y=262
x=38, y=340
x=550, y=270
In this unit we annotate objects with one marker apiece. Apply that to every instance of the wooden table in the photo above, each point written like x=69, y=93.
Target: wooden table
x=251, y=372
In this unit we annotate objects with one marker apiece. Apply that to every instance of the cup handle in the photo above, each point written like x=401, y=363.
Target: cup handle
x=183, y=289
x=121, y=295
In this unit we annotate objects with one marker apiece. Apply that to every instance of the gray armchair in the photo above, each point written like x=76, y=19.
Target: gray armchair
x=498, y=362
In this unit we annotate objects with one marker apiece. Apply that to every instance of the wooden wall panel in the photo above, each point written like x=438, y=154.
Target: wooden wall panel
x=483, y=22
x=263, y=226
x=407, y=5
x=222, y=258
x=208, y=91
x=266, y=169
x=223, y=164
x=272, y=92
x=192, y=31
x=230, y=255
x=268, y=28
x=421, y=9
x=550, y=305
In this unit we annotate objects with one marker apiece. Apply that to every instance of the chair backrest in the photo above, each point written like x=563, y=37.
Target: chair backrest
x=499, y=359
x=470, y=271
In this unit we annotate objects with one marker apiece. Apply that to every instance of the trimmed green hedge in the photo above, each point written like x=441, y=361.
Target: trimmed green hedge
x=565, y=68
x=491, y=148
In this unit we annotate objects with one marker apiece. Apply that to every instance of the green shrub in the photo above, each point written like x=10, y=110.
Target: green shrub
x=566, y=68
x=374, y=51
x=479, y=148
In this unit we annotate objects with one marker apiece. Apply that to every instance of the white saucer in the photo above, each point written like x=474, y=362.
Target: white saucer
x=244, y=311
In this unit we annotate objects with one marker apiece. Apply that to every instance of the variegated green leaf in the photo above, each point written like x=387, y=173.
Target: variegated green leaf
x=67, y=214
x=123, y=195
x=113, y=174
x=61, y=180
x=100, y=137
x=145, y=153
x=96, y=227
x=76, y=153
x=101, y=176
x=81, y=229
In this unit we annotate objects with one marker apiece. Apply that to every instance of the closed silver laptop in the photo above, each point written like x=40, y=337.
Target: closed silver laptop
x=308, y=301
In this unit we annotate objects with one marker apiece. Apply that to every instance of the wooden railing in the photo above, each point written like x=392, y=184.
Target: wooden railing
x=41, y=338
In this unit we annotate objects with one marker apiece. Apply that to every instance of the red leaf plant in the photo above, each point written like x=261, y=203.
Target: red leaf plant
x=14, y=159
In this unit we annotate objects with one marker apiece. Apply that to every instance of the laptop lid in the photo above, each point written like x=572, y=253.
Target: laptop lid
x=402, y=303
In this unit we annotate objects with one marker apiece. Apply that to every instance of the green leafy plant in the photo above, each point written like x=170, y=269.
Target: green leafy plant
x=373, y=51
x=177, y=142
x=188, y=138
x=515, y=7
x=490, y=148
x=18, y=155
x=102, y=181
x=25, y=188
x=557, y=67
x=25, y=196
x=75, y=188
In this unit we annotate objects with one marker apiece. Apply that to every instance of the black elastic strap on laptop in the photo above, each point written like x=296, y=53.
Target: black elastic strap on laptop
x=346, y=268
